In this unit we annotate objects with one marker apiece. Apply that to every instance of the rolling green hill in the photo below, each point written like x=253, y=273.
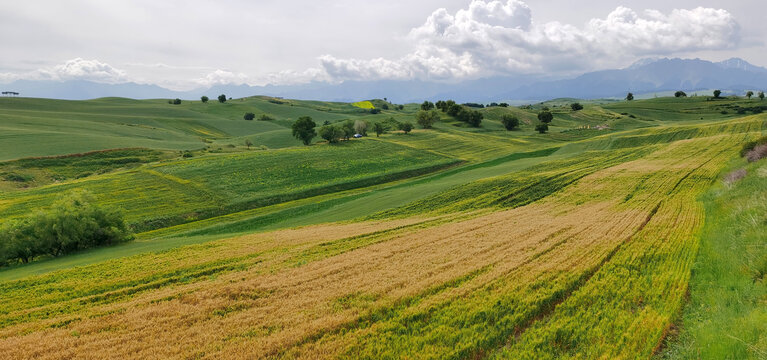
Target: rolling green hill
x=450, y=242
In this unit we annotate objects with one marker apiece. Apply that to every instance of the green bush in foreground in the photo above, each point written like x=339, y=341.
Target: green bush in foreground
x=72, y=224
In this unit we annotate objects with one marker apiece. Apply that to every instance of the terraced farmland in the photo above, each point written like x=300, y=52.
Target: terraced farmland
x=444, y=243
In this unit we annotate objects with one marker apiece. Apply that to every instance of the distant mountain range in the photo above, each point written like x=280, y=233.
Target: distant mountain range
x=644, y=76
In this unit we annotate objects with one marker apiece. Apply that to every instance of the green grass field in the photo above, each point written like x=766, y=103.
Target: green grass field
x=610, y=236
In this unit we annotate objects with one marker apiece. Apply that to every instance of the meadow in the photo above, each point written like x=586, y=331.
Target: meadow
x=452, y=242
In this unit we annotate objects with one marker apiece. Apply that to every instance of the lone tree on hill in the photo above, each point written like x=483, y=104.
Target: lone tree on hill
x=249, y=116
x=204, y=99
x=222, y=98
x=406, y=127
x=510, y=122
x=749, y=94
x=717, y=93
x=680, y=94
x=303, y=129
x=545, y=116
x=542, y=128
x=177, y=101
x=427, y=118
x=630, y=97
x=576, y=106
x=761, y=95
x=427, y=105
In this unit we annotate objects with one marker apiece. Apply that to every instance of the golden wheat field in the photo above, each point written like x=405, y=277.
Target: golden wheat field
x=598, y=269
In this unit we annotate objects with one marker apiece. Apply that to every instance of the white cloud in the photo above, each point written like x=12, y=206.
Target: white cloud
x=222, y=77
x=75, y=69
x=492, y=37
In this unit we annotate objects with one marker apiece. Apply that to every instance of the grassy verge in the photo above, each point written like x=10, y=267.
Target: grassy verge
x=726, y=317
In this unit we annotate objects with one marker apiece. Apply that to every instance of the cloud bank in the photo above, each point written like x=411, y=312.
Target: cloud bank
x=495, y=37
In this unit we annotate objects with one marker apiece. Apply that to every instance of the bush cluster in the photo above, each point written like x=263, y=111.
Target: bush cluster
x=72, y=224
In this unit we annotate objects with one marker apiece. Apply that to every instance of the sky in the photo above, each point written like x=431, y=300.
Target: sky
x=190, y=44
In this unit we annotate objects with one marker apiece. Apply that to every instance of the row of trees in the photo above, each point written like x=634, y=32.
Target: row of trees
x=72, y=224
x=717, y=95
x=221, y=98
x=304, y=129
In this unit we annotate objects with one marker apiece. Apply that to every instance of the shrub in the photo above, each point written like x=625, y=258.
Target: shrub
x=510, y=122
x=747, y=147
x=11, y=176
x=72, y=224
x=406, y=127
x=249, y=116
x=542, y=128
x=265, y=117
x=576, y=106
x=759, y=152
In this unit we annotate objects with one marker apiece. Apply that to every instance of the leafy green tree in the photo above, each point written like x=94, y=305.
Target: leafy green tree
x=406, y=127
x=348, y=128
x=761, y=95
x=204, y=99
x=576, y=106
x=379, y=129
x=454, y=109
x=222, y=98
x=471, y=117
x=630, y=97
x=303, y=129
x=440, y=105
x=248, y=143
x=427, y=118
x=249, y=116
x=503, y=104
x=427, y=105
x=680, y=94
x=717, y=93
x=510, y=122
x=542, y=128
x=361, y=127
x=177, y=101
x=749, y=94
x=331, y=133
x=545, y=116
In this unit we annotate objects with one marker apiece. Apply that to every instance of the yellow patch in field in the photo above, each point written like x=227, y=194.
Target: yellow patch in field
x=364, y=105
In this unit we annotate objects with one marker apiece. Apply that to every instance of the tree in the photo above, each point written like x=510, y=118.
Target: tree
x=761, y=95
x=379, y=129
x=348, y=129
x=427, y=118
x=249, y=116
x=542, y=128
x=471, y=117
x=303, y=129
x=222, y=98
x=680, y=94
x=717, y=93
x=375, y=111
x=265, y=117
x=331, y=133
x=545, y=116
x=749, y=94
x=204, y=99
x=503, y=104
x=406, y=127
x=248, y=143
x=427, y=105
x=361, y=127
x=510, y=122
x=440, y=105
x=576, y=106
x=454, y=109
x=177, y=101
x=630, y=97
